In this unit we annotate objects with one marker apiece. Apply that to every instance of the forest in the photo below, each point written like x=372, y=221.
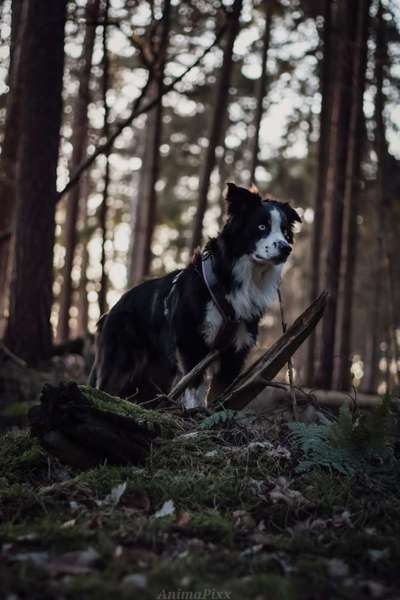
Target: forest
x=121, y=124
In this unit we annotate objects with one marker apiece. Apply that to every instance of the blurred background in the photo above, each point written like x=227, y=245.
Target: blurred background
x=122, y=121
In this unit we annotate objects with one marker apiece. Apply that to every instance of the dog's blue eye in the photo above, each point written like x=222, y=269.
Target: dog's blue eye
x=262, y=227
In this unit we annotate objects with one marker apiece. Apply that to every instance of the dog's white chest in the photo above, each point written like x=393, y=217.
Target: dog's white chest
x=256, y=289
x=255, y=292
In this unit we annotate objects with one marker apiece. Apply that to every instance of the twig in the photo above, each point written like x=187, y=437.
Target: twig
x=136, y=112
x=18, y=361
x=290, y=361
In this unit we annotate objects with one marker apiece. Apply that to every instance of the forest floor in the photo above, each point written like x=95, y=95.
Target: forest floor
x=230, y=510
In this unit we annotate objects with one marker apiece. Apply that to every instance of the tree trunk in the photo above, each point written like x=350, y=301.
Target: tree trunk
x=352, y=195
x=79, y=144
x=146, y=205
x=345, y=30
x=9, y=151
x=383, y=206
x=106, y=134
x=319, y=205
x=220, y=104
x=83, y=303
x=371, y=370
x=261, y=92
x=29, y=333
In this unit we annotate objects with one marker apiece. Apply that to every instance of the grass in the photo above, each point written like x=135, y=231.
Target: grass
x=245, y=523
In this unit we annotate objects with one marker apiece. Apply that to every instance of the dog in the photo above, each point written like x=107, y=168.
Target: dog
x=161, y=329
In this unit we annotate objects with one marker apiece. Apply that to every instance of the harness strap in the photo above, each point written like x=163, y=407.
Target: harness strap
x=229, y=321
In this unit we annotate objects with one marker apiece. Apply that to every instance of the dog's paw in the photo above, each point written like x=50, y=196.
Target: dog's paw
x=195, y=397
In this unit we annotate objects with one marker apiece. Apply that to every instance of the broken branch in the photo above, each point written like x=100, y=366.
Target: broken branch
x=250, y=383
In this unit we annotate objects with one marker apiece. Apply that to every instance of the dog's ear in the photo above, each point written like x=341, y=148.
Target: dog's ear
x=238, y=199
x=291, y=214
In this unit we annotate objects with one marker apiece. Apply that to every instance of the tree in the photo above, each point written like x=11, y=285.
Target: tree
x=146, y=201
x=9, y=149
x=261, y=90
x=352, y=196
x=29, y=333
x=106, y=133
x=214, y=137
x=385, y=262
x=341, y=98
x=79, y=145
x=319, y=206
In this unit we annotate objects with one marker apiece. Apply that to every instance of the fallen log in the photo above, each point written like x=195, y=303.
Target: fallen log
x=276, y=396
x=84, y=427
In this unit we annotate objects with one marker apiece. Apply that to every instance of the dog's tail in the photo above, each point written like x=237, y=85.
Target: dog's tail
x=119, y=360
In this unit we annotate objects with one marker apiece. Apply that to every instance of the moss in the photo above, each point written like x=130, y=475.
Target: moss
x=189, y=489
x=212, y=526
x=21, y=457
x=168, y=424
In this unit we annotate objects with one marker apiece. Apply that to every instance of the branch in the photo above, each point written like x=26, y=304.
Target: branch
x=250, y=383
x=136, y=112
x=13, y=357
x=290, y=362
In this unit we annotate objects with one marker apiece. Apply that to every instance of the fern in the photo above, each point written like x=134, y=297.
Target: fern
x=354, y=443
x=222, y=417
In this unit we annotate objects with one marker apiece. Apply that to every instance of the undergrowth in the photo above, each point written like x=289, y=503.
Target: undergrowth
x=353, y=443
x=236, y=507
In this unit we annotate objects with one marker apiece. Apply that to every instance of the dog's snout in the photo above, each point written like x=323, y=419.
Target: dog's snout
x=284, y=249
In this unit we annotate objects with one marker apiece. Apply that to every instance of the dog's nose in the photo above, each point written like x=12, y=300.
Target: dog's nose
x=284, y=249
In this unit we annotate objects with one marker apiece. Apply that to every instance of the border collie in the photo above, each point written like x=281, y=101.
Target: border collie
x=162, y=328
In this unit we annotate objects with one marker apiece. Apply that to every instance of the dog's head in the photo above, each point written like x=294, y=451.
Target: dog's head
x=262, y=229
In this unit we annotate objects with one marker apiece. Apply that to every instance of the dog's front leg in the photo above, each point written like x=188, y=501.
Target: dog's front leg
x=195, y=396
x=228, y=369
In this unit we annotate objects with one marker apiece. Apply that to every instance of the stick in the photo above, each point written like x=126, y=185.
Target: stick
x=250, y=383
x=18, y=361
x=290, y=361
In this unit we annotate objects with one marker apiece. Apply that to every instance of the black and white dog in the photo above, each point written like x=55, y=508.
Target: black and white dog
x=162, y=328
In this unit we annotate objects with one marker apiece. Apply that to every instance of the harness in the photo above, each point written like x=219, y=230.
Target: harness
x=229, y=321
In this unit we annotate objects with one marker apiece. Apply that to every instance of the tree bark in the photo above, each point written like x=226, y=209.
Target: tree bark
x=319, y=203
x=345, y=29
x=352, y=196
x=9, y=150
x=146, y=204
x=106, y=134
x=221, y=101
x=29, y=333
x=83, y=303
x=79, y=144
x=383, y=206
x=261, y=92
